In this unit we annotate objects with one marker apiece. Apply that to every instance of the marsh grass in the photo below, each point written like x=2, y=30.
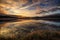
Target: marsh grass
x=36, y=35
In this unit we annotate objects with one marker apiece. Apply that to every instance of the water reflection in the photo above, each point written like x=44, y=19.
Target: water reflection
x=12, y=29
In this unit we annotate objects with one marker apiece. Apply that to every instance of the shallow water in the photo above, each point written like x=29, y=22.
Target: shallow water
x=7, y=29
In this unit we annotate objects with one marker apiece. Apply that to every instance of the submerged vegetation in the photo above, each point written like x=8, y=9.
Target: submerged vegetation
x=35, y=35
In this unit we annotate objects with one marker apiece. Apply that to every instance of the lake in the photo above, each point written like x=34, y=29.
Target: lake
x=23, y=27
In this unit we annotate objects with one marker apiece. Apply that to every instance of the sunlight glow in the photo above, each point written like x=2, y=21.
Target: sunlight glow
x=12, y=8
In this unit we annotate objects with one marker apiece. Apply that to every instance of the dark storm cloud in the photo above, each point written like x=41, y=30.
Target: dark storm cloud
x=47, y=3
x=44, y=3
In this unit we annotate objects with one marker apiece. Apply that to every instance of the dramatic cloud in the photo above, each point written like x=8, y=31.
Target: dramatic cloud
x=27, y=7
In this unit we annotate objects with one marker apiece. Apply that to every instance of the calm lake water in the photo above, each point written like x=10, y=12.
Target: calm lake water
x=26, y=26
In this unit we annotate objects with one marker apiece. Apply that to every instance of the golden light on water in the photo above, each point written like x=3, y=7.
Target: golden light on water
x=8, y=28
x=4, y=31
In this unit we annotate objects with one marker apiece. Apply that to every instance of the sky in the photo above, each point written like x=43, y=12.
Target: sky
x=29, y=8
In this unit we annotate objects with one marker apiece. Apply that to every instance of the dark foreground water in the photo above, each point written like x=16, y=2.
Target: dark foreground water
x=24, y=29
